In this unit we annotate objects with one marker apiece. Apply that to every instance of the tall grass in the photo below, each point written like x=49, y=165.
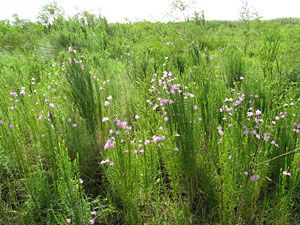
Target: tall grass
x=171, y=127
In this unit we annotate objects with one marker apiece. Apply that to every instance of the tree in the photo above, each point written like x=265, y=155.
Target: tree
x=50, y=13
x=182, y=6
x=246, y=15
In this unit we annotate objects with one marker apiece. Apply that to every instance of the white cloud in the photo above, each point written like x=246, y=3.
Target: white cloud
x=118, y=10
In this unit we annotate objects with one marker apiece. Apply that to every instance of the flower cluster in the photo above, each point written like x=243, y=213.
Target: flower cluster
x=164, y=92
x=107, y=161
x=122, y=124
x=157, y=139
x=110, y=143
x=296, y=128
x=254, y=117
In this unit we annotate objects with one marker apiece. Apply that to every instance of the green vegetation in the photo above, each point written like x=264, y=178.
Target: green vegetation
x=193, y=122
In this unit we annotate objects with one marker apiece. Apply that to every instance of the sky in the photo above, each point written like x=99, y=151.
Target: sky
x=152, y=10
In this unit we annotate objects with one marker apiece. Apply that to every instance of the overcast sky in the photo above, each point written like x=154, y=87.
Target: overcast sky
x=118, y=10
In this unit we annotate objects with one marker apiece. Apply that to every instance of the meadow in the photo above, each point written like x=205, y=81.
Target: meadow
x=193, y=122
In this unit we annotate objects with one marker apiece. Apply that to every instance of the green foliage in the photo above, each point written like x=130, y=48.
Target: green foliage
x=194, y=122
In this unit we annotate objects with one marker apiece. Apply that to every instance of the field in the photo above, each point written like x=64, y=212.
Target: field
x=193, y=122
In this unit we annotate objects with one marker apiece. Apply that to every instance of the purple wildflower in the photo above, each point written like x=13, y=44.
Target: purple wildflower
x=220, y=130
x=13, y=94
x=257, y=112
x=106, y=103
x=254, y=178
x=286, y=173
x=249, y=114
x=110, y=143
x=157, y=139
x=22, y=91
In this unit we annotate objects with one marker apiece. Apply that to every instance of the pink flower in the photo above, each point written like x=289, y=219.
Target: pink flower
x=163, y=101
x=220, y=131
x=257, y=112
x=174, y=88
x=254, y=132
x=74, y=125
x=266, y=137
x=22, y=91
x=240, y=99
x=13, y=94
x=249, y=114
x=92, y=221
x=94, y=213
x=286, y=173
x=110, y=143
x=121, y=124
x=147, y=142
x=149, y=102
x=157, y=139
x=275, y=144
x=254, y=178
